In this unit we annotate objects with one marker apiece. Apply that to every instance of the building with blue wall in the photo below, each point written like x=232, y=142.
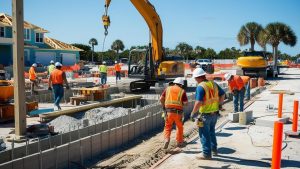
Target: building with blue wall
x=38, y=48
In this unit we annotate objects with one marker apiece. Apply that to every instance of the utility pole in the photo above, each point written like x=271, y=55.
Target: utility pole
x=18, y=68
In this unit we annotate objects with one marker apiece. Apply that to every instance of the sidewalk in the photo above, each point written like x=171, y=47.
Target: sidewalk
x=249, y=146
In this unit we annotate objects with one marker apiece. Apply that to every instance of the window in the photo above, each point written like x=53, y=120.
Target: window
x=39, y=37
x=26, y=34
x=2, y=33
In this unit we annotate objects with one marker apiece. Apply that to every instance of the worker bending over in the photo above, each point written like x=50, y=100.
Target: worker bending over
x=246, y=80
x=173, y=99
x=237, y=88
x=103, y=72
x=208, y=101
x=118, y=71
x=51, y=67
x=33, y=78
x=56, y=80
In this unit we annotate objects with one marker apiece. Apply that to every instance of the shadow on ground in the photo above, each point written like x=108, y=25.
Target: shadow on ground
x=235, y=128
x=223, y=134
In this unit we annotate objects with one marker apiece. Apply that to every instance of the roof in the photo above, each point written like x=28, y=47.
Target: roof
x=6, y=20
x=56, y=44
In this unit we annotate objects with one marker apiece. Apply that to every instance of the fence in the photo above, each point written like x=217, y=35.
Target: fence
x=80, y=147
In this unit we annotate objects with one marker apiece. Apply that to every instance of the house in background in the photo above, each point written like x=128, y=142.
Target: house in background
x=38, y=48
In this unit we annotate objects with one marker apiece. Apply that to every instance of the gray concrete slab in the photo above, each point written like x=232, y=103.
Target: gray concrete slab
x=63, y=156
x=86, y=144
x=48, y=159
x=8, y=165
x=18, y=164
x=112, y=139
x=125, y=134
x=131, y=135
x=268, y=121
x=32, y=161
x=105, y=141
x=74, y=152
x=119, y=136
x=96, y=143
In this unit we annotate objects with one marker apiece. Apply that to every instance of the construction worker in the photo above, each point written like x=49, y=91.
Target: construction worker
x=118, y=70
x=33, y=78
x=51, y=67
x=246, y=80
x=208, y=102
x=173, y=99
x=56, y=80
x=103, y=72
x=237, y=88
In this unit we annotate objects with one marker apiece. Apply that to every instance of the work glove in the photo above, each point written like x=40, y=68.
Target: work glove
x=67, y=87
x=193, y=116
x=49, y=88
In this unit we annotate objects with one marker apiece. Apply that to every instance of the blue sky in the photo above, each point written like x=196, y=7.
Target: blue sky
x=208, y=23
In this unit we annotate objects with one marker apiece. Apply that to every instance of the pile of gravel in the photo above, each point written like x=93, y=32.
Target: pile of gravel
x=63, y=124
x=104, y=114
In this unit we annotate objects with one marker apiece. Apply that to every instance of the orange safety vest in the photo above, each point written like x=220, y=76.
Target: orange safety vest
x=236, y=83
x=57, y=76
x=117, y=67
x=32, y=74
x=245, y=79
x=173, y=98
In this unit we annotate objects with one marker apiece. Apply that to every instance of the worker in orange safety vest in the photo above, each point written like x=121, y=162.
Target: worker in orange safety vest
x=118, y=71
x=173, y=99
x=237, y=88
x=33, y=78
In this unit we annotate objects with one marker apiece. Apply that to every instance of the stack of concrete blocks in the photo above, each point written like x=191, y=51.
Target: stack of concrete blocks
x=241, y=117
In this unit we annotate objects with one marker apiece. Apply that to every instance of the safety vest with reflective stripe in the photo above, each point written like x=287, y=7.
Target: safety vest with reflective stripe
x=103, y=69
x=32, y=74
x=211, y=97
x=57, y=76
x=236, y=83
x=50, y=69
x=173, y=98
x=245, y=79
x=117, y=67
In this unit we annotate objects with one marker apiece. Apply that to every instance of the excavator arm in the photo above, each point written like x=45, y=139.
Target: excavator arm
x=147, y=10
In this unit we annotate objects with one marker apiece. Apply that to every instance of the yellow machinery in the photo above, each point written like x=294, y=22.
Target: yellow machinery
x=253, y=64
x=154, y=66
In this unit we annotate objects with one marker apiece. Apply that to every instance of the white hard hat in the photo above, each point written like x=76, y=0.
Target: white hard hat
x=116, y=61
x=178, y=80
x=57, y=64
x=51, y=61
x=104, y=62
x=227, y=76
x=198, y=72
x=34, y=65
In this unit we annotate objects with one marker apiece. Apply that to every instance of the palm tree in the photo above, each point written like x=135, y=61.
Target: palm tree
x=249, y=33
x=117, y=45
x=279, y=32
x=184, y=49
x=262, y=39
x=93, y=42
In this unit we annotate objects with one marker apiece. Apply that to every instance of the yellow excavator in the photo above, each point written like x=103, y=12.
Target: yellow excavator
x=148, y=65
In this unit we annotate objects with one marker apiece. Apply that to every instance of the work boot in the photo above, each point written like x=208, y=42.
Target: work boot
x=203, y=157
x=181, y=144
x=166, y=144
x=214, y=152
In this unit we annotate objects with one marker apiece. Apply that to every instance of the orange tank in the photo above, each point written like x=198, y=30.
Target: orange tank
x=7, y=91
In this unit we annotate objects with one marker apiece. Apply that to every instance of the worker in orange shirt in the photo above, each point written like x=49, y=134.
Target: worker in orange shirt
x=56, y=80
x=33, y=78
x=173, y=99
x=246, y=80
x=118, y=71
x=237, y=88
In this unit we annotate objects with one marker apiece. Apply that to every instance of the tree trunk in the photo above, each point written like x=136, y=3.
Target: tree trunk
x=252, y=41
x=93, y=54
x=275, y=58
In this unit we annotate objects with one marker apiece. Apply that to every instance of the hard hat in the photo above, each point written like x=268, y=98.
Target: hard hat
x=34, y=65
x=227, y=76
x=179, y=81
x=52, y=61
x=116, y=61
x=198, y=72
x=57, y=64
x=104, y=62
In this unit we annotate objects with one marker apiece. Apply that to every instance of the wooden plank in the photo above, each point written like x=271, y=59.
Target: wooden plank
x=87, y=107
x=282, y=91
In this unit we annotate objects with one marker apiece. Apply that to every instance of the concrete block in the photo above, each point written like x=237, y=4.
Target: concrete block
x=32, y=161
x=98, y=128
x=137, y=128
x=119, y=136
x=112, y=139
x=92, y=130
x=112, y=123
x=105, y=141
x=125, y=134
x=7, y=165
x=86, y=148
x=48, y=159
x=18, y=163
x=84, y=132
x=125, y=120
x=85, y=122
x=119, y=121
x=233, y=117
x=245, y=117
x=268, y=121
x=131, y=131
x=63, y=156
x=143, y=125
x=96, y=144
x=105, y=126
x=74, y=152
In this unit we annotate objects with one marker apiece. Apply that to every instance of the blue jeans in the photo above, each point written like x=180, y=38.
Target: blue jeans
x=118, y=75
x=58, y=91
x=103, y=78
x=247, y=93
x=239, y=98
x=208, y=135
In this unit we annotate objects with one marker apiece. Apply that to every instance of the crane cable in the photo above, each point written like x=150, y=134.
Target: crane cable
x=106, y=22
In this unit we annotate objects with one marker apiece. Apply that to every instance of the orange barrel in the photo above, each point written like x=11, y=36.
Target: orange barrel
x=261, y=81
x=253, y=83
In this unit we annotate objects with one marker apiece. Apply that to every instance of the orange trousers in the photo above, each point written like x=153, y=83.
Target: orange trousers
x=171, y=118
